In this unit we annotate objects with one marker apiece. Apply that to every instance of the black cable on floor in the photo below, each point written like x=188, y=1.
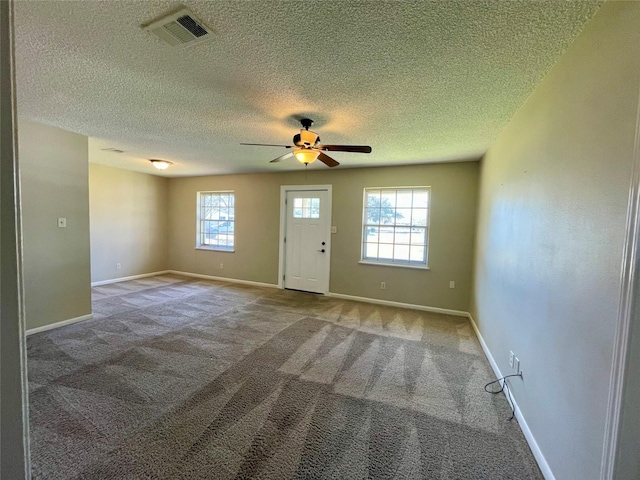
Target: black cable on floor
x=504, y=384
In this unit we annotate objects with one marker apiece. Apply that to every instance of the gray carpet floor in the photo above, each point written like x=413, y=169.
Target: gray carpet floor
x=179, y=378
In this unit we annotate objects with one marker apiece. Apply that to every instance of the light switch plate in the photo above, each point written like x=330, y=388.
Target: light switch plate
x=334, y=229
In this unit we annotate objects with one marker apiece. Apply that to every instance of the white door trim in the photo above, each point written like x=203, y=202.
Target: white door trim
x=14, y=405
x=283, y=222
x=628, y=305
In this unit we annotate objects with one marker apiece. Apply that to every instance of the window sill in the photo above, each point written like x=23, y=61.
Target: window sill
x=214, y=249
x=401, y=265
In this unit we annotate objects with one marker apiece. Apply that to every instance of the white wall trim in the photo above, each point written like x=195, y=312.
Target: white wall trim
x=528, y=435
x=62, y=323
x=132, y=277
x=628, y=280
x=412, y=306
x=223, y=279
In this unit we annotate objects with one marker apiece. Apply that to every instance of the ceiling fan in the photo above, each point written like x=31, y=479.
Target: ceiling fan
x=307, y=147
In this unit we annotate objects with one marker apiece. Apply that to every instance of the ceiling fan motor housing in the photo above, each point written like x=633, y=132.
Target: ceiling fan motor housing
x=306, y=138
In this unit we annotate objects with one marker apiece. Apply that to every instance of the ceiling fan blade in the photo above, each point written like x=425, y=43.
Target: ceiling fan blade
x=327, y=160
x=266, y=145
x=283, y=157
x=346, y=148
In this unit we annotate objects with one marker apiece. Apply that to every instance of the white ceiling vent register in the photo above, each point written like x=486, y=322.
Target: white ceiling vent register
x=179, y=28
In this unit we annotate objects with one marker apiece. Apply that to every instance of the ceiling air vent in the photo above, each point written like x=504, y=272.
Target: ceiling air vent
x=179, y=28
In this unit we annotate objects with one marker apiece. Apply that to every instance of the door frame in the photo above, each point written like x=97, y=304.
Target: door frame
x=284, y=189
x=14, y=407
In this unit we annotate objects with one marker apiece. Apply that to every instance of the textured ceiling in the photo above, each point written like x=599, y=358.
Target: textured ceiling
x=418, y=81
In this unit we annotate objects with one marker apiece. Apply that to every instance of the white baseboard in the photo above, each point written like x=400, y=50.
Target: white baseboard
x=389, y=303
x=132, y=277
x=223, y=279
x=528, y=435
x=51, y=326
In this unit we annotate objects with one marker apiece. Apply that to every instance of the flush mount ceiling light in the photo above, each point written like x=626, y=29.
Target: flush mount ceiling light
x=160, y=164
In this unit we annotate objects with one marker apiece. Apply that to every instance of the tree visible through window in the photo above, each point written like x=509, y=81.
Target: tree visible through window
x=216, y=220
x=395, y=225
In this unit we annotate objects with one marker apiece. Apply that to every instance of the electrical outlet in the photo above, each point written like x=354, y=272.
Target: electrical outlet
x=118, y=266
x=452, y=284
x=511, y=359
x=62, y=222
x=383, y=285
x=221, y=266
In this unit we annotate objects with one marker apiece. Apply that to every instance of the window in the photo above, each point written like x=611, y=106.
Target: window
x=306, y=207
x=395, y=226
x=216, y=220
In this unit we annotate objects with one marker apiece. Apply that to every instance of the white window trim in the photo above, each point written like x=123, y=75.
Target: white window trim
x=213, y=248
x=415, y=266
x=384, y=263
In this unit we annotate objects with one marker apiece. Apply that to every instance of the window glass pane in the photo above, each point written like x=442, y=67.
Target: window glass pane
x=371, y=250
x=388, y=199
x=371, y=234
x=418, y=236
x=373, y=198
x=403, y=216
x=385, y=235
x=385, y=251
x=419, y=217
x=417, y=254
x=372, y=216
x=401, y=253
x=420, y=199
x=315, y=208
x=404, y=199
x=402, y=235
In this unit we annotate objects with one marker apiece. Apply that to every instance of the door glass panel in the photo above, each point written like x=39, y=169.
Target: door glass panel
x=306, y=207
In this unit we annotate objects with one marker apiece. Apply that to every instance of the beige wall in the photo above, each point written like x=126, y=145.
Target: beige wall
x=551, y=226
x=454, y=192
x=128, y=222
x=54, y=183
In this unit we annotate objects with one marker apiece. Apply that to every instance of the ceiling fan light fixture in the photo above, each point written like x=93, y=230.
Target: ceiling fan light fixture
x=160, y=164
x=306, y=155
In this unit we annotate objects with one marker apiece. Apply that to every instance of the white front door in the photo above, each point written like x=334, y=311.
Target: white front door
x=307, y=240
